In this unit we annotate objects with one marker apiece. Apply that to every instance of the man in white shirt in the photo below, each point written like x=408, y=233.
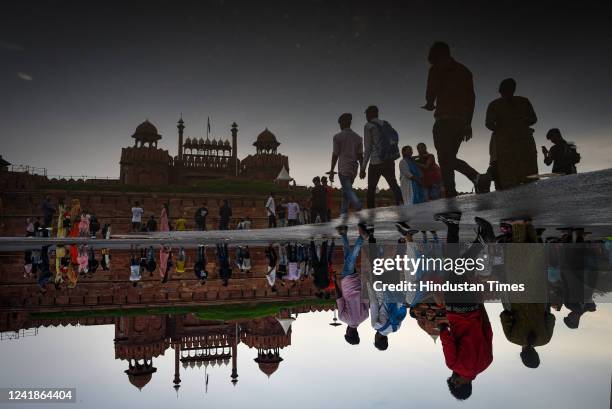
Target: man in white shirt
x=293, y=212
x=271, y=210
x=348, y=153
x=137, y=212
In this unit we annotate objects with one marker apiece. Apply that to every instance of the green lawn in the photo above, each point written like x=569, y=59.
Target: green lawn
x=228, y=312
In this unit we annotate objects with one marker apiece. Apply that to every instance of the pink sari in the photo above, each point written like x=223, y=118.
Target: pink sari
x=164, y=254
x=163, y=221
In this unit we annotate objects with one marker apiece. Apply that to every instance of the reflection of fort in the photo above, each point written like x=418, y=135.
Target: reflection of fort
x=197, y=343
x=200, y=343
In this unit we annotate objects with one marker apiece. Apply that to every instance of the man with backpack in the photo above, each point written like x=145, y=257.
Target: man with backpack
x=562, y=155
x=380, y=142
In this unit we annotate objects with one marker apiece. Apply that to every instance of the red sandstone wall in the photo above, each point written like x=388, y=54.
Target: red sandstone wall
x=112, y=289
x=115, y=207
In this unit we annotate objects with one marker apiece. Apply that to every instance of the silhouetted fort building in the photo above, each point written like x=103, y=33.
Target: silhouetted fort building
x=198, y=159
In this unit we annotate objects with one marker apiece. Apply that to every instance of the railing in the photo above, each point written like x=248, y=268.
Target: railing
x=87, y=178
x=32, y=170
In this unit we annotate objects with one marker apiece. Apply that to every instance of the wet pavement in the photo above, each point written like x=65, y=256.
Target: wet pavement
x=581, y=200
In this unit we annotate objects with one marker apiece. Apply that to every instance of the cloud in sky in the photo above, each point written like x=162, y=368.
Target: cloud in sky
x=24, y=76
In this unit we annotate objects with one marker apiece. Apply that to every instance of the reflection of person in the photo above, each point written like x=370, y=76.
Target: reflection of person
x=135, y=270
x=199, y=268
x=320, y=257
x=528, y=325
x=579, y=275
x=272, y=259
x=467, y=342
x=387, y=309
x=164, y=225
x=225, y=269
x=467, y=339
x=165, y=263
x=351, y=308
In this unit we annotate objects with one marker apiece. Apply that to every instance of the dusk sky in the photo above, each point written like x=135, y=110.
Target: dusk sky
x=78, y=77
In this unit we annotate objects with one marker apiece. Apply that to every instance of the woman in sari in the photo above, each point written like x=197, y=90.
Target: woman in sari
x=164, y=225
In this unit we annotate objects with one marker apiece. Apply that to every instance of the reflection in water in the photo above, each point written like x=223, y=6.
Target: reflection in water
x=186, y=313
x=181, y=352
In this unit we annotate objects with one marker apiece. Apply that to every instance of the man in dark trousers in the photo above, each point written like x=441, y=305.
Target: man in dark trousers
x=200, y=217
x=381, y=164
x=450, y=94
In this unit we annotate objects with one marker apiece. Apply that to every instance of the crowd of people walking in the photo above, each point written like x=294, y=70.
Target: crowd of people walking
x=450, y=96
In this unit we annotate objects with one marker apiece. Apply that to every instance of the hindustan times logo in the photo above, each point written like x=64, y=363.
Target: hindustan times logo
x=412, y=265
